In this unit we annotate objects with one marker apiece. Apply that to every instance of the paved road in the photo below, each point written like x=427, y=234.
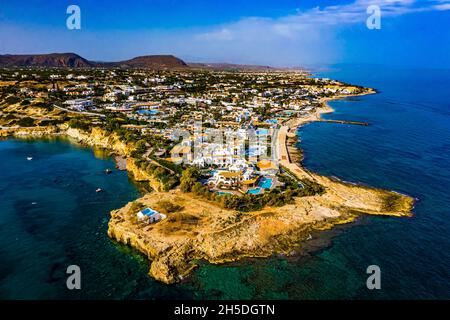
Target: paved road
x=283, y=155
x=80, y=112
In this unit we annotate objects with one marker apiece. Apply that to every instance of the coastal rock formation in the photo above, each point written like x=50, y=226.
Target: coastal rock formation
x=141, y=175
x=32, y=132
x=99, y=138
x=96, y=137
x=203, y=230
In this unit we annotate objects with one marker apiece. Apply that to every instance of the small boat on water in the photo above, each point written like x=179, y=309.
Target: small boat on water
x=98, y=190
x=108, y=171
x=29, y=158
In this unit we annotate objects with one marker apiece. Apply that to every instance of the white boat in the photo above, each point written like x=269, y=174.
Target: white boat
x=98, y=190
x=29, y=158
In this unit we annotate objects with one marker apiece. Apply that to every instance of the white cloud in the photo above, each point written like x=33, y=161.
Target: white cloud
x=307, y=36
x=222, y=34
x=442, y=7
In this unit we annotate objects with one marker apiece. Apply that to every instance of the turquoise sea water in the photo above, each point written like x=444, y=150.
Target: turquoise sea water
x=51, y=216
x=406, y=148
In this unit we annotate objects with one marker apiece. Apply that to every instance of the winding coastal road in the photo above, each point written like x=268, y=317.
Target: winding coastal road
x=86, y=113
x=283, y=155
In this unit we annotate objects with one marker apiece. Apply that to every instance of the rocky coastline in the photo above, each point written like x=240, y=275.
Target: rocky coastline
x=202, y=230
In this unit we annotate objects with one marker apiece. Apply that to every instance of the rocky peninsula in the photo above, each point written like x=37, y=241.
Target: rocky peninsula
x=200, y=229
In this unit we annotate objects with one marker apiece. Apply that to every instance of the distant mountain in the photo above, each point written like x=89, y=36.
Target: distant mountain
x=63, y=60
x=229, y=66
x=72, y=60
x=152, y=62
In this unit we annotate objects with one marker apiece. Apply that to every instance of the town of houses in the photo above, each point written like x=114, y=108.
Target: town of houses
x=222, y=111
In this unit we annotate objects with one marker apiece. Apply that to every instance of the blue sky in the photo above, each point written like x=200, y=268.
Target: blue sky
x=279, y=33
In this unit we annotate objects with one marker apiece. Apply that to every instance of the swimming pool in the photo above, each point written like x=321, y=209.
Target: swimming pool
x=262, y=132
x=147, y=112
x=265, y=183
x=222, y=193
x=254, y=191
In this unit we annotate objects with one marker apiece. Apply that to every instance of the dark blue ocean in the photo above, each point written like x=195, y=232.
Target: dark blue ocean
x=406, y=148
x=51, y=216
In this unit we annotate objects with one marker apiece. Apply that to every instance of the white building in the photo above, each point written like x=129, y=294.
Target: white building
x=151, y=215
x=79, y=104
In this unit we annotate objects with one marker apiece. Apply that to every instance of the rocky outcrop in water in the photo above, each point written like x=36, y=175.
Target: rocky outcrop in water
x=202, y=230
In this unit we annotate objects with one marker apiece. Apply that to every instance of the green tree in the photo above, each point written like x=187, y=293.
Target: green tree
x=188, y=179
x=26, y=122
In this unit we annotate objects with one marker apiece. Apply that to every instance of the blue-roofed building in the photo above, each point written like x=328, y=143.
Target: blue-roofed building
x=150, y=215
x=271, y=121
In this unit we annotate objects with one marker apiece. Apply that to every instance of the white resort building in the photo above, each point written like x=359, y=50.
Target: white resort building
x=151, y=215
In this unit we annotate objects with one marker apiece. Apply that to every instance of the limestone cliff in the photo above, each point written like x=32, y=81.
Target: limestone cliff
x=100, y=138
x=203, y=230
x=96, y=137
x=23, y=132
x=142, y=175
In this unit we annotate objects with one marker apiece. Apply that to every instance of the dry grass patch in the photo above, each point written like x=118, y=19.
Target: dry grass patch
x=166, y=206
